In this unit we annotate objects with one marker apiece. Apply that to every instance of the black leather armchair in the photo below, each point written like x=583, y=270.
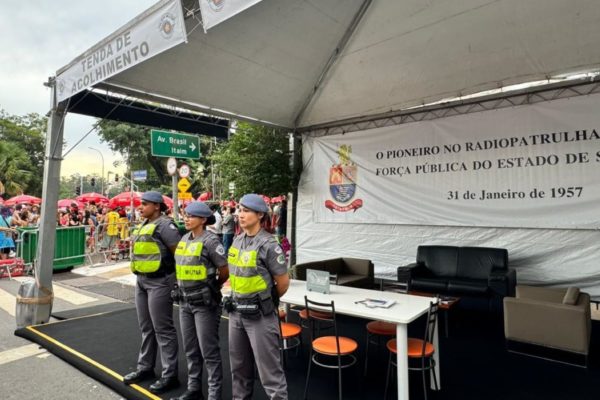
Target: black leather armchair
x=461, y=271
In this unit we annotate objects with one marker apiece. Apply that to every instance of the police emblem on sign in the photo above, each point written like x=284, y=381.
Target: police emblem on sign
x=342, y=183
x=216, y=5
x=167, y=25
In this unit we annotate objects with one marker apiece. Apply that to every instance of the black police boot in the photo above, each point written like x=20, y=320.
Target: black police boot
x=189, y=395
x=164, y=384
x=138, y=376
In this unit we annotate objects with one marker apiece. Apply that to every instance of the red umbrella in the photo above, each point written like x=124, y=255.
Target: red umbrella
x=64, y=203
x=168, y=201
x=124, y=200
x=23, y=199
x=205, y=196
x=93, y=196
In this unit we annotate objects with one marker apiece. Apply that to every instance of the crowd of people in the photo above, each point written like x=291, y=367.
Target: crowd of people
x=107, y=227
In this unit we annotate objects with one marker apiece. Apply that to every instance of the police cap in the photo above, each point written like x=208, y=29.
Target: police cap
x=200, y=209
x=254, y=202
x=153, y=197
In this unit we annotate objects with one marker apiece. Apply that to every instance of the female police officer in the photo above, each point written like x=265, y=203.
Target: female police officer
x=201, y=270
x=154, y=243
x=258, y=275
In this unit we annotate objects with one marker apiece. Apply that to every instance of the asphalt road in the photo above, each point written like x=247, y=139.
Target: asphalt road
x=30, y=372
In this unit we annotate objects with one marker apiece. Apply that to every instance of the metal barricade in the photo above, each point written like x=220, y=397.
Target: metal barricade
x=111, y=243
x=69, y=249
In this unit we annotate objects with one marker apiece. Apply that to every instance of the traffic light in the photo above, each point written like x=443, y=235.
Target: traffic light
x=116, y=177
x=93, y=181
x=78, y=190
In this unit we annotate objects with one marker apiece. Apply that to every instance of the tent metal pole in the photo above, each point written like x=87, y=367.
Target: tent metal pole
x=333, y=58
x=296, y=165
x=47, y=229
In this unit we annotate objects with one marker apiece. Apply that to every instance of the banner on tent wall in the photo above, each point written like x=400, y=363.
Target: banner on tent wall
x=159, y=31
x=216, y=11
x=530, y=166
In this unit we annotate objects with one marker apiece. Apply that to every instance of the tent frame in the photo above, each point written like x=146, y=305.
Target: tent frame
x=532, y=95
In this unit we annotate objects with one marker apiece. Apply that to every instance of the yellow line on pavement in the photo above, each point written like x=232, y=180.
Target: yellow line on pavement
x=71, y=296
x=7, y=302
x=92, y=362
x=19, y=353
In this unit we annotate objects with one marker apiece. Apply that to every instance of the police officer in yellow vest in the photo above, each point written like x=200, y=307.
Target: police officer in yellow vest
x=258, y=276
x=154, y=244
x=201, y=269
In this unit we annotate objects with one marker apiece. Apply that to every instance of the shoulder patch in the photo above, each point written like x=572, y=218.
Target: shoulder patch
x=220, y=250
x=281, y=259
x=173, y=226
x=278, y=250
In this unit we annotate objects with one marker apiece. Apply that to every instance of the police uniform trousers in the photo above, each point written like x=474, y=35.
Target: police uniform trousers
x=251, y=340
x=155, y=316
x=200, y=333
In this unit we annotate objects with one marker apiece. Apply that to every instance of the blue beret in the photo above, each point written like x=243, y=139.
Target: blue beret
x=198, y=209
x=153, y=197
x=254, y=202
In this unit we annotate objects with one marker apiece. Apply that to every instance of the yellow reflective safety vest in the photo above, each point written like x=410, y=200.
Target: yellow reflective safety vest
x=244, y=275
x=189, y=265
x=146, y=253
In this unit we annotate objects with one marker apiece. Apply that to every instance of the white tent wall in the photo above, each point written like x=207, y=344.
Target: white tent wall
x=550, y=257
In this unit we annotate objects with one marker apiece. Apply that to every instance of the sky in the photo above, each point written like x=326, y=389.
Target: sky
x=41, y=36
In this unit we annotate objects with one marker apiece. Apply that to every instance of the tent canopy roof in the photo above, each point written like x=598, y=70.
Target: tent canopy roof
x=271, y=62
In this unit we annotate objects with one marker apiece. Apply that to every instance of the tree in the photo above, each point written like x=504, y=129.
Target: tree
x=27, y=133
x=15, y=173
x=133, y=141
x=256, y=159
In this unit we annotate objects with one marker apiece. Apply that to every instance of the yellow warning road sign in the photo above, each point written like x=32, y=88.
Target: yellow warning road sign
x=183, y=185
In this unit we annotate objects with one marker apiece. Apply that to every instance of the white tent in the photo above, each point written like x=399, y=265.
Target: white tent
x=310, y=65
x=297, y=64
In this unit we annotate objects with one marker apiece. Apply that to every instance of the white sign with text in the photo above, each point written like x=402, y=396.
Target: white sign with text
x=216, y=11
x=159, y=31
x=529, y=166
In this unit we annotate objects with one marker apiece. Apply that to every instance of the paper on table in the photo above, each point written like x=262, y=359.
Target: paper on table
x=372, y=303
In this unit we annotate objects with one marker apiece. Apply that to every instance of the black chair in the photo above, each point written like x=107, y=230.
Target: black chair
x=378, y=329
x=325, y=348
x=319, y=315
x=419, y=350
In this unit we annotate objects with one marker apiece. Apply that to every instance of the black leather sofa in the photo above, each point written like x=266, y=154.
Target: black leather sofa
x=475, y=272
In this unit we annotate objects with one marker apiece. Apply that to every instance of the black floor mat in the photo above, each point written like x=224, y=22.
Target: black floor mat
x=474, y=362
x=86, y=311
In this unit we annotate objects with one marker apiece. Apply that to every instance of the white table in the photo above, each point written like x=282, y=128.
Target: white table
x=407, y=309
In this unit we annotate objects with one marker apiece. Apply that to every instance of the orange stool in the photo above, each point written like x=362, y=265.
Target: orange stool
x=377, y=329
x=328, y=347
x=418, y=349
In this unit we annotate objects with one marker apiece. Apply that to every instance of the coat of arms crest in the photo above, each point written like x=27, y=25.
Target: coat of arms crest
x=342, y=182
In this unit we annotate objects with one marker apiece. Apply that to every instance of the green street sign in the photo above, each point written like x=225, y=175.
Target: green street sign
x=178, y=145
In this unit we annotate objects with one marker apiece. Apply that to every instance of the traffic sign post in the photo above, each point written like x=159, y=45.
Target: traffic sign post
x=183, y=185
x=170, y=144
x=141, y=175
x=184, y=171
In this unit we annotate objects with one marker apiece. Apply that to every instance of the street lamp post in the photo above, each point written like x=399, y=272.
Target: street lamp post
x=102, y=180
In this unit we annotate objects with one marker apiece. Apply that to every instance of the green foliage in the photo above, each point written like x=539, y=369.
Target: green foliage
x=256, y=159
x=14, y=172
x=133, y=141
x=22, y=153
